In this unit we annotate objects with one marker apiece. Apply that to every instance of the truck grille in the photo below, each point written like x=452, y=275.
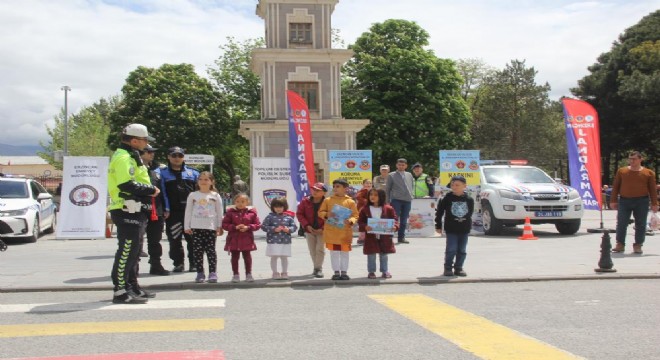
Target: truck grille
x=546, y=196
x=546, y=208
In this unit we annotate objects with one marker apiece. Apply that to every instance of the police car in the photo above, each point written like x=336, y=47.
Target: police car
x=26, y=209
x=510, y=193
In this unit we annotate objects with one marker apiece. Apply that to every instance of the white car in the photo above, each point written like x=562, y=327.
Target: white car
x=26, y=209
x=510, y=193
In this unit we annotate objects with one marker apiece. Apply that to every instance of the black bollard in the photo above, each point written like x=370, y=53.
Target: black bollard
x=605, y=263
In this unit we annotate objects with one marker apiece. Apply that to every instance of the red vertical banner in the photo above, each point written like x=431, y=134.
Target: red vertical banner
x=301, y=154
x=583, y=145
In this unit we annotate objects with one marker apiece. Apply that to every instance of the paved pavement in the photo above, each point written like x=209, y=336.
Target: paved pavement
x=58, y=265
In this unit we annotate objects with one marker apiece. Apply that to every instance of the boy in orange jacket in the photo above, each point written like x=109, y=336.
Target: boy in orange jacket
x=340, y=214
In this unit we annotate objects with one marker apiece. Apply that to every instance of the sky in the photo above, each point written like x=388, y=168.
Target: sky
x=92, y=45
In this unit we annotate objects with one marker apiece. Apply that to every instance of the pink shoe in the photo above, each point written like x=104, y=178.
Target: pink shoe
x=387, y=275
x=276, y=276
x=284, y=276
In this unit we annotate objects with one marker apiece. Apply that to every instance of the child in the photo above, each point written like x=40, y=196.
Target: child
x=240, y=224
x=362, y=199
x=308, y=215
x=457, y=208
x=203, y=220
x=377, y=243
x=340, y=214
x=279, y=225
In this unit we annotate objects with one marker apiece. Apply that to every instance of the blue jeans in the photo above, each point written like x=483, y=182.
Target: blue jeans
x=456, y=247
x=402, y=210
x=371, y=262
x=639, y=208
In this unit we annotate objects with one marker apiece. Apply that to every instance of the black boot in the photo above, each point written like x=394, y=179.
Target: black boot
x=157, y=268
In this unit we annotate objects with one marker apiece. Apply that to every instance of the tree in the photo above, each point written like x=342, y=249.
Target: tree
x=179, y=108
x=411, y=96
x=474, y=72
x=624, y=87
x=233, y=77
x=516, y=119
x=88, y=132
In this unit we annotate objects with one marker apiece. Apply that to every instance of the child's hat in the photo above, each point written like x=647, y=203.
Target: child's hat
x=320, y=186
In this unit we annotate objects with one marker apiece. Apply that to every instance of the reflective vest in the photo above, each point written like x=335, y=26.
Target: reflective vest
x=420, y=187
x=123, y=168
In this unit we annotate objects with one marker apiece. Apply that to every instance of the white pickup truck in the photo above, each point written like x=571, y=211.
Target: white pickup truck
x=509, y=193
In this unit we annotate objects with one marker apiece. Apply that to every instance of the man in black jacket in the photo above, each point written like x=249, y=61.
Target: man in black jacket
x=156, y=220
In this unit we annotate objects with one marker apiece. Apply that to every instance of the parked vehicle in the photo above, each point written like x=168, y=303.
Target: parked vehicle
x=510, y=193
x=26, y=209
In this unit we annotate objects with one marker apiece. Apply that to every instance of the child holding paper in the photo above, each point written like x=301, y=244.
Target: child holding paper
x=340, y=214
x=377, y=243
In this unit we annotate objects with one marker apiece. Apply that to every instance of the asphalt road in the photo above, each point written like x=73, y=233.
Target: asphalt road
x=597, y=319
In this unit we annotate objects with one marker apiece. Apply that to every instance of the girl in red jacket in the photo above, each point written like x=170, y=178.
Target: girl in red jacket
x=240, y=224
x=380, y=244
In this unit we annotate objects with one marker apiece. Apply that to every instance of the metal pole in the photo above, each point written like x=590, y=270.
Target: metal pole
x=66, y=89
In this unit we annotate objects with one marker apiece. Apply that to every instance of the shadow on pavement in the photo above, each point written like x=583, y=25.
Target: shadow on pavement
x=88, y=280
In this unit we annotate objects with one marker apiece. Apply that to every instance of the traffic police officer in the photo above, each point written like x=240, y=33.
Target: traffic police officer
x=422, y=185
x=129, y=186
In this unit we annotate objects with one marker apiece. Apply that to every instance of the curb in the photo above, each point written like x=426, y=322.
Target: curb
x=340, y=284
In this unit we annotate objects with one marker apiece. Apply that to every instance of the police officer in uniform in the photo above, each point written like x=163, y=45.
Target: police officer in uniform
x=154, y=209
x=129, y=186
x=423, y=184
x=178, y=181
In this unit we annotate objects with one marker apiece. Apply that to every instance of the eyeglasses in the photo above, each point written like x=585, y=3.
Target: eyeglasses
x=176, y=156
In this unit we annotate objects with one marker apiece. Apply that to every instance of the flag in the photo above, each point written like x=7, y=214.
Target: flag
x=301, y=156
x=583, y=142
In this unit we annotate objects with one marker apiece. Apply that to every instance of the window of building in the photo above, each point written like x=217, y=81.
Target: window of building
x=300, y=33
x=308, y=91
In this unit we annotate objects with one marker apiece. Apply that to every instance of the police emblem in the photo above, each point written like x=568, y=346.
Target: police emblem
x=83, y=195
x=270, y=194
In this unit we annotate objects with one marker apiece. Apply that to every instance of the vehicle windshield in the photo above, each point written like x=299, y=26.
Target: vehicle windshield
x=515, y=175
x=13, y=190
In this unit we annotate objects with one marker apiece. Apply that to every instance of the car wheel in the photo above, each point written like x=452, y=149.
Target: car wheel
x=492, y=225
x=35, y=230
x=568, y=227
x=53, y=225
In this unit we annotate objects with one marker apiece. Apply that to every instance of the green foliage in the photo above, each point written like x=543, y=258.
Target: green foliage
x=234, y=78
x=515, y=118
x=624, y=87
x=88, y=132
x=179, y=108
x=411, y=96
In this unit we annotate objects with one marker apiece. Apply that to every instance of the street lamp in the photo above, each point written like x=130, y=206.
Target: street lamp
x=66, y=89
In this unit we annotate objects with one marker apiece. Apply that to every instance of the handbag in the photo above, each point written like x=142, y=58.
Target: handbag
x=654, y=222
x=301, y=230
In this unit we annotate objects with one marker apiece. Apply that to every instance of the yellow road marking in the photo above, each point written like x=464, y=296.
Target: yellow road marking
x=481, y=337
x=53, y=329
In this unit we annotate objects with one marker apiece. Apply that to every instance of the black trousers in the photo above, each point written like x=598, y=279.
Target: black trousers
x=175, y=235
x=130, y=229
x=154, y=236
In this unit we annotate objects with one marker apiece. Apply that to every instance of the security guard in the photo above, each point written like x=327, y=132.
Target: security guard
x=129, y=186
x=422, y=185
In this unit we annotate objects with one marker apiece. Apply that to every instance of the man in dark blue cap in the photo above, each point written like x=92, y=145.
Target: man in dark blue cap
x=177, y=181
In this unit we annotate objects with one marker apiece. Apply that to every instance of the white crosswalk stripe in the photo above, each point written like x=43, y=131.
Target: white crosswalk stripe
x=151, y=305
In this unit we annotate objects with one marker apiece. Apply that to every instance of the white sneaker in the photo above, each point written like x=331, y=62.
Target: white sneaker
x=249, y=278
x=235, y=278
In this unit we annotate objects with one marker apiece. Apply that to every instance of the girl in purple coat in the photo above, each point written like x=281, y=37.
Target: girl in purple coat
x=380, y=244
x=240, y=224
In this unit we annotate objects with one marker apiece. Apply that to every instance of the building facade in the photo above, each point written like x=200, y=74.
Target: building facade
x=298, y=56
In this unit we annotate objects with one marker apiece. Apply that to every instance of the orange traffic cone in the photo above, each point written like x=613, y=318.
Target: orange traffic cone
x=527, y=231
x=108, y=233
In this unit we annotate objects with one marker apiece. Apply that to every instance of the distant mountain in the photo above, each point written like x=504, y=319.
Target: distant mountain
x=23, y=150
